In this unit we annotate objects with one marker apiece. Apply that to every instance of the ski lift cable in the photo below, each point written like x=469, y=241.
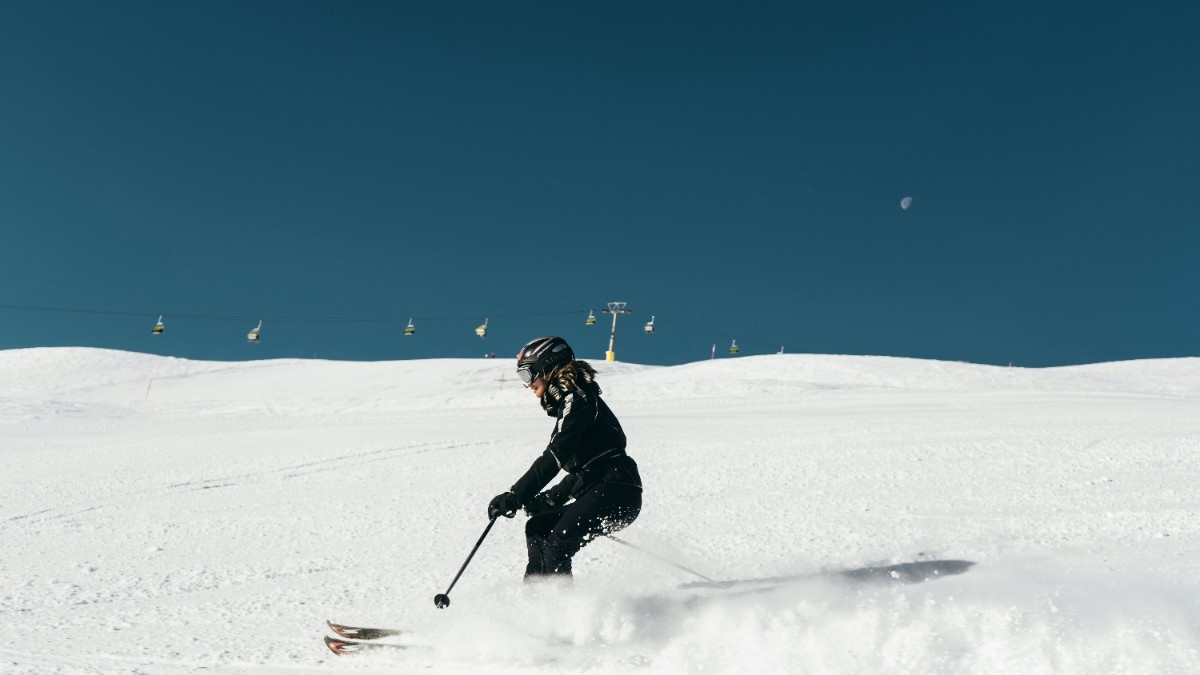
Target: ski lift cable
x=713, y=333
x=73, y=310
x=475, y=317
x=659, y=321
x=285, y=319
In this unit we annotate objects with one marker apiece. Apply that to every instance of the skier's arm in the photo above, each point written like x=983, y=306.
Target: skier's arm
x=565, y=490
x=560, y=494
x=543, y=470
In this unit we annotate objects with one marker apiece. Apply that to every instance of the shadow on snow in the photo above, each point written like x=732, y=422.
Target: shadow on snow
x=902, y=573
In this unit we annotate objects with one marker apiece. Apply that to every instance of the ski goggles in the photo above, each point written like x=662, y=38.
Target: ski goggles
x=526, y=375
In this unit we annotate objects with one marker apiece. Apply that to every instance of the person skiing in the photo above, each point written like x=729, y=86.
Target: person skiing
x=602, y=491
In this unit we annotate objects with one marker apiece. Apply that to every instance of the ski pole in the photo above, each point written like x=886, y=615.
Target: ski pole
x=442, y=600
x=659, y=557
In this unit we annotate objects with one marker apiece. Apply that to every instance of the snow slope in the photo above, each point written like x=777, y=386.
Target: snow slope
x=169, y=516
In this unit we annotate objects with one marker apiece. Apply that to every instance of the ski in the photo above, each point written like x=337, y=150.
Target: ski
x=346, y=647
x=359, y=633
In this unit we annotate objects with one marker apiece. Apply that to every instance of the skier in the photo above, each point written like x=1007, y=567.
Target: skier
x=602, y=491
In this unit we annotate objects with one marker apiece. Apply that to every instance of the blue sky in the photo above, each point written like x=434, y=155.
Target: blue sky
x=734, y=169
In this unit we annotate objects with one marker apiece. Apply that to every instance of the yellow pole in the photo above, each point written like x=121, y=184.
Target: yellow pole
x=614, y=308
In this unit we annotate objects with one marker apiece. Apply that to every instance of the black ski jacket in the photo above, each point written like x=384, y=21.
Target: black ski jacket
x=587, y=442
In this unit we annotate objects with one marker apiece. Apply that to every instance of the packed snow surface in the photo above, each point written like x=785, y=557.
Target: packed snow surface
x=161, y=515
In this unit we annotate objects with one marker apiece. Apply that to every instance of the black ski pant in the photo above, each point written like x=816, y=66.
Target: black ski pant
x=554, y=536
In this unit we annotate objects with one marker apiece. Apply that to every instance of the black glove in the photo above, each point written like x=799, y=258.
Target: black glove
x=563, y=492
x=539, y=504
x=503, y=505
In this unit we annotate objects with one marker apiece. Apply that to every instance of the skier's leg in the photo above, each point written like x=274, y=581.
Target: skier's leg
x=605, y=509
x=537, y=528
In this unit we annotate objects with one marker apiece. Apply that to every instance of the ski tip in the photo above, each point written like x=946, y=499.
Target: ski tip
x=358, y=633
x=347, y=647
x=338, y=647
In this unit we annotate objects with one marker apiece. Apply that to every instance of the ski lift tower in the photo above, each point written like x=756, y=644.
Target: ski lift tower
x=614, y=308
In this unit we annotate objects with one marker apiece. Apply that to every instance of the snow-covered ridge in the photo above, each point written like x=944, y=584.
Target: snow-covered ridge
x=101, y=375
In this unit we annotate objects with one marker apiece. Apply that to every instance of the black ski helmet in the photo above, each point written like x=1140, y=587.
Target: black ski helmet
x=542, y=355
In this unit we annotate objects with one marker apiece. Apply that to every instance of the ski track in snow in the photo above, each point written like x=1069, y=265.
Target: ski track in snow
x=160, y=515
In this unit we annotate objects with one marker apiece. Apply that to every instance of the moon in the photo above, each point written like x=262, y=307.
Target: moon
x=905, y=203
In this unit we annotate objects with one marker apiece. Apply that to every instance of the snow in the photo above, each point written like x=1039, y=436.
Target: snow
x=170, y=516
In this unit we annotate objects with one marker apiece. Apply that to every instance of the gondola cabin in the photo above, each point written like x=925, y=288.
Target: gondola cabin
x=410, y=328
x=591, y=320
x=481, y=331
x=733, y=348
x=253, y=335
x=158, y=327
x=650, y=326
